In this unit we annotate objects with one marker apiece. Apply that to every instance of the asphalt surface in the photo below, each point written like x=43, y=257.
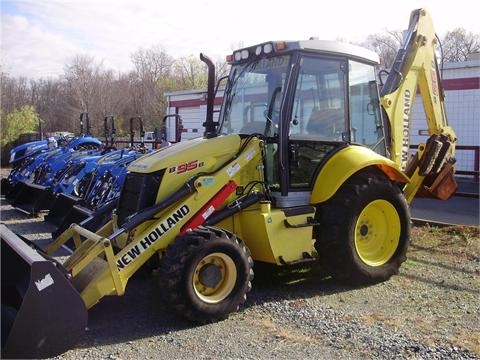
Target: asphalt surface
x=459, y=210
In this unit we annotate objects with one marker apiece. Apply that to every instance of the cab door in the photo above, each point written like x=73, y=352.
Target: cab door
x=318, y=124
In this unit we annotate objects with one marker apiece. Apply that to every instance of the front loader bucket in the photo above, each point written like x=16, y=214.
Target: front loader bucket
x=43, y=315
x=88, y=219
x=5, y=187
x=33, y=198
x=13, y=191
x=61, y=208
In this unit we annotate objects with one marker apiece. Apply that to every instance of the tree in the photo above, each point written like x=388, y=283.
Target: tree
x=191, y=73
x=84, y=88
x=14, y=92
x=50, y=100
x=221, y=69
x=458, y=44
x=385, y=45
x=20, y=121
x=148, y=83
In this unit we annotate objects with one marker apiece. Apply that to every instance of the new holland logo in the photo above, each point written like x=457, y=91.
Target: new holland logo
x=44, y=283
x=406, y=128
x=164, y=227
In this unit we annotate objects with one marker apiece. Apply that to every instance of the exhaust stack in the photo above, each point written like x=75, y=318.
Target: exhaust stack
x=209, y=124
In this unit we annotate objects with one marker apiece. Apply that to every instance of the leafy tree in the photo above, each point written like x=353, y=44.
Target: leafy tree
x=20, y=121
x=191, y=73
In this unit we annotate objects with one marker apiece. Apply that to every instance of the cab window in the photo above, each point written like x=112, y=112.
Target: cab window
x=365, y=121
x=319, y=105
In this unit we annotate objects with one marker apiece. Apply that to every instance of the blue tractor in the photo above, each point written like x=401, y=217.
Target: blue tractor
x=95, y=195
x=39, y=165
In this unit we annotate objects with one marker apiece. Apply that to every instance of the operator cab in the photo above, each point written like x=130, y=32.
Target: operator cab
x=308, y=99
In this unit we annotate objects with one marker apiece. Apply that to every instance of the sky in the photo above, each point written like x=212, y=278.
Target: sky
x=39, y=37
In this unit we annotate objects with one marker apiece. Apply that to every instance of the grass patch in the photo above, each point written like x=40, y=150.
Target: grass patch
x=457, y=241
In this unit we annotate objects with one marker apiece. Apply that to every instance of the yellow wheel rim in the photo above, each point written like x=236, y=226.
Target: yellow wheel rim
x=214, y=278
x=377, y=233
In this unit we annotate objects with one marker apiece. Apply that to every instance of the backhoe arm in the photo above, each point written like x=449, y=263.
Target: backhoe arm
x=415, y=68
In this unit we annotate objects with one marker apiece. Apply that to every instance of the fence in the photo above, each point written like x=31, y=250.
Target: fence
x=472, y=190
x=476, y=160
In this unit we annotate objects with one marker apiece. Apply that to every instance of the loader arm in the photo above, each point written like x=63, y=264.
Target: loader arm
x=97, y=271
x=415, y=68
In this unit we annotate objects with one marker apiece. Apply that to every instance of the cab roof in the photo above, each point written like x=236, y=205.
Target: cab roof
x=311, y=45
x=338, y=48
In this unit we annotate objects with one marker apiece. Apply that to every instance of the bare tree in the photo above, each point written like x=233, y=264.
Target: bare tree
x=385, y=45
x=152, y=69
x=89, y=88
x=458, y=44
x=14, y=93
x=221, y=69
x=49, y=98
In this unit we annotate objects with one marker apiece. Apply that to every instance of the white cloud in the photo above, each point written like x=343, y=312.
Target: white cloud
x=39, y=36
x=29, y=50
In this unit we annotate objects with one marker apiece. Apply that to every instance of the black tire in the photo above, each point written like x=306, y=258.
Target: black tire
x=364, y=230
x=206, y=274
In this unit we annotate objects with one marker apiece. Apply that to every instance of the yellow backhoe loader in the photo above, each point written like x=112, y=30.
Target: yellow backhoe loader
x=308, y=161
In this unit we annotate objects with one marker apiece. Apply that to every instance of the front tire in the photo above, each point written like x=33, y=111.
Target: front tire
x=365, y=230
x=206, y=274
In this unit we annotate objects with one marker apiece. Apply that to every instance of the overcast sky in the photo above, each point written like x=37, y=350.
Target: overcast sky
x=38, y=37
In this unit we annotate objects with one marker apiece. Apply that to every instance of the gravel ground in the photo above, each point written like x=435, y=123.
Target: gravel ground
x=429, y=311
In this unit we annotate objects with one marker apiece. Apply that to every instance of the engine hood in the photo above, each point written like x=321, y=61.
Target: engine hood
x=20, y=152
x=178, y=163
x=189, y=157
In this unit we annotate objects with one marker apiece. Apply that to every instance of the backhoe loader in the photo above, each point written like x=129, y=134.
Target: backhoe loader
x=307, y=162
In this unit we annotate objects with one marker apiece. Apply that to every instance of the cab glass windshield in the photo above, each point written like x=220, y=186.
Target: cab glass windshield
x=253, y=97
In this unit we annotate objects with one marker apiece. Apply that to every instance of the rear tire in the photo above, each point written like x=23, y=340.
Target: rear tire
x=206, y=274
x=364, y=230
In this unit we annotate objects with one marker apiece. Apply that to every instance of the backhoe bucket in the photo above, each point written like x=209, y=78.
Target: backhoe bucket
x=33, y=198
x=43, y=315
x=440, y=186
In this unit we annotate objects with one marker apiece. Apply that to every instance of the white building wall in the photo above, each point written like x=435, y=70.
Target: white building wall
x=192, y=120
x=191, y=105
x=463, y=112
